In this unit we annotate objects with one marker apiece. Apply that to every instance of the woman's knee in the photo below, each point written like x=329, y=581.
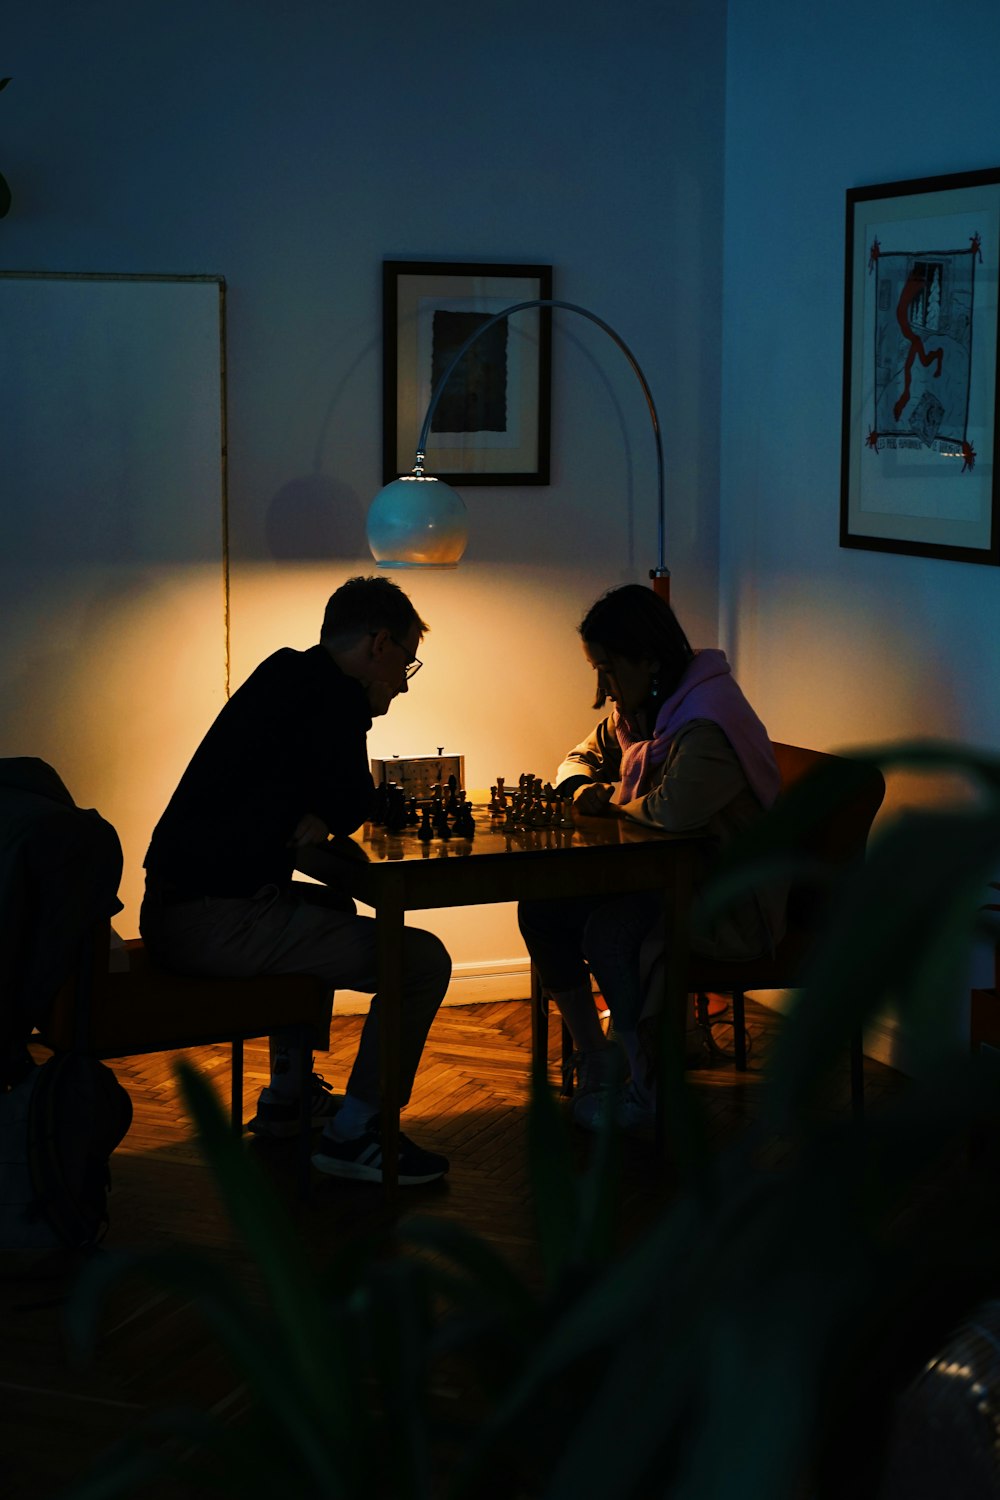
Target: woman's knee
x=618, y=927
x=554, y=918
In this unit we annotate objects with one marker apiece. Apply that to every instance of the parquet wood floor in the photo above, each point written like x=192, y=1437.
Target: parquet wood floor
x=470, y=1101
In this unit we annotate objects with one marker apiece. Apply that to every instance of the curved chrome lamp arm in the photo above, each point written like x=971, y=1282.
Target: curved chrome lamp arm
x=661, y=570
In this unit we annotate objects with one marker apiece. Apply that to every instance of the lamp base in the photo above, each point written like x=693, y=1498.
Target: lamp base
x=661, y=583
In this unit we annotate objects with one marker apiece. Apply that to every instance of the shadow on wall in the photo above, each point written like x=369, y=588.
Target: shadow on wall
x=315, y=517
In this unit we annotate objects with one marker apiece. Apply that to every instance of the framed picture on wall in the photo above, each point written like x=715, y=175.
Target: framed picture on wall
x=919, y=442
x=490, y=424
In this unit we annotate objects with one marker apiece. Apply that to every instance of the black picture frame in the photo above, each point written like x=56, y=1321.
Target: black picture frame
x=498, y=401
x=920, y=453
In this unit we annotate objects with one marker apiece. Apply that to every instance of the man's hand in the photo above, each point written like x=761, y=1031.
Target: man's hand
x=309, y=830
x=347, y=848
x=592, y=800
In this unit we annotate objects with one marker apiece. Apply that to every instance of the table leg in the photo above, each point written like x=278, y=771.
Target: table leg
x=539, y=1024
x=389, y=951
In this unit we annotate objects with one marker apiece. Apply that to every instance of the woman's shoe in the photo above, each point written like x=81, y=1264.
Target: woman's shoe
x=633, y=1109
x=594, y=1071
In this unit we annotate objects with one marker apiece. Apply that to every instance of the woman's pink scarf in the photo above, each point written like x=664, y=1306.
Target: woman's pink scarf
x=707, y=690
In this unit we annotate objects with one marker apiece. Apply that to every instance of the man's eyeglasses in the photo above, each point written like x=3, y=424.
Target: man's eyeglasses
x=413, y=663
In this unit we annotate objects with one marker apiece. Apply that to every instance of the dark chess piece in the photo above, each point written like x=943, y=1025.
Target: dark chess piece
x=439, y=817
x=425, y=832
x=464, y=822
x=380, y=804
x=395, y=818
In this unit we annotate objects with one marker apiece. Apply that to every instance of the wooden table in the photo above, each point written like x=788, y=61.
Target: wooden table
x=593, y=855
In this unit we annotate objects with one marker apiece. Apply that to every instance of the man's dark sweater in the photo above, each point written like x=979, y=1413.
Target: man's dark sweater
x=290, y=741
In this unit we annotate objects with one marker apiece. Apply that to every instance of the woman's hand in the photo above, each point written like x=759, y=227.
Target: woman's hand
x=592, y=800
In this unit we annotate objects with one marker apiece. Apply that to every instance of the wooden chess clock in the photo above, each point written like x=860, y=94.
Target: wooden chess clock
x=418, y=775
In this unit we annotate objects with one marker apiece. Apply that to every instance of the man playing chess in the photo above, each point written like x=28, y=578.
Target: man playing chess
x=285, y=765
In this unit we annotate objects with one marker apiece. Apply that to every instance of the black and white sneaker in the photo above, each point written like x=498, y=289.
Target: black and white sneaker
x=360, y=1160
x=278, y=1116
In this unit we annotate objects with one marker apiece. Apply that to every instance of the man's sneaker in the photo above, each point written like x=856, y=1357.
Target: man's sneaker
x=361, y=1159
x=278, y=1116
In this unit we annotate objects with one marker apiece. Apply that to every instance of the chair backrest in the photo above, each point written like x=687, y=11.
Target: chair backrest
x=830, y=803
x=856, y=792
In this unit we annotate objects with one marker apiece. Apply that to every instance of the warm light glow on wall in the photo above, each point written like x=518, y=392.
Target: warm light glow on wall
x=120, y=675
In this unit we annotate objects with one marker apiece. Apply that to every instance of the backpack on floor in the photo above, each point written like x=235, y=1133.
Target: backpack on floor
x=58, y=1128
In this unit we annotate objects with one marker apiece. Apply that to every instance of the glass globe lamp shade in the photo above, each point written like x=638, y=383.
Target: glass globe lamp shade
x=417, y=521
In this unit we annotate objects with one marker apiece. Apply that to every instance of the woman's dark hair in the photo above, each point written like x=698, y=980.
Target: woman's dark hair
x=634, y=622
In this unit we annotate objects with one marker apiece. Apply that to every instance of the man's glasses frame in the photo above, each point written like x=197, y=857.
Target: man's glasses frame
x=413, y=663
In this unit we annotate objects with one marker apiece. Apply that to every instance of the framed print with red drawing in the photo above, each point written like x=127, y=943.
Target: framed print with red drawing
x=919, y=442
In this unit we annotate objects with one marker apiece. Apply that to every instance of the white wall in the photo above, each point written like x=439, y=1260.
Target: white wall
x=838, y=647
x=291, y=149
x=111, y=476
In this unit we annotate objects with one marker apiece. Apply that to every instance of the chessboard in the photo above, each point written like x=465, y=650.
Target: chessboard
x=449, y=813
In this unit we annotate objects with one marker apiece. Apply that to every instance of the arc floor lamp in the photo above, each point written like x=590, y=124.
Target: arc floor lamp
x=419, y=521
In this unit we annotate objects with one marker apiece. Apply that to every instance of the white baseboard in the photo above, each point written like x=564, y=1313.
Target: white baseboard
x=471, y=984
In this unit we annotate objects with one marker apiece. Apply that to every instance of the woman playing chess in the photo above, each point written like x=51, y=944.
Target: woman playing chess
x=683, y=751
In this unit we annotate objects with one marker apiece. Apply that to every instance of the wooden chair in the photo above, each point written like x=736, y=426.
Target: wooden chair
x=836, y=840
x=123, y=1013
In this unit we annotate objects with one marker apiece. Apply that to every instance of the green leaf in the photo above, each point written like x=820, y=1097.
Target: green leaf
x=486, y=1271
x=309, y=1434
x=594, y=1319
x=550, y=1165
x=260, y=1220
x=399, y=1325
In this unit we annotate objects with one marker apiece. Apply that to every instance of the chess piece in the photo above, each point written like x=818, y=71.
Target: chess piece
x=465, y=823
x=439, y=817
x=425, y=833
x=395, y=818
